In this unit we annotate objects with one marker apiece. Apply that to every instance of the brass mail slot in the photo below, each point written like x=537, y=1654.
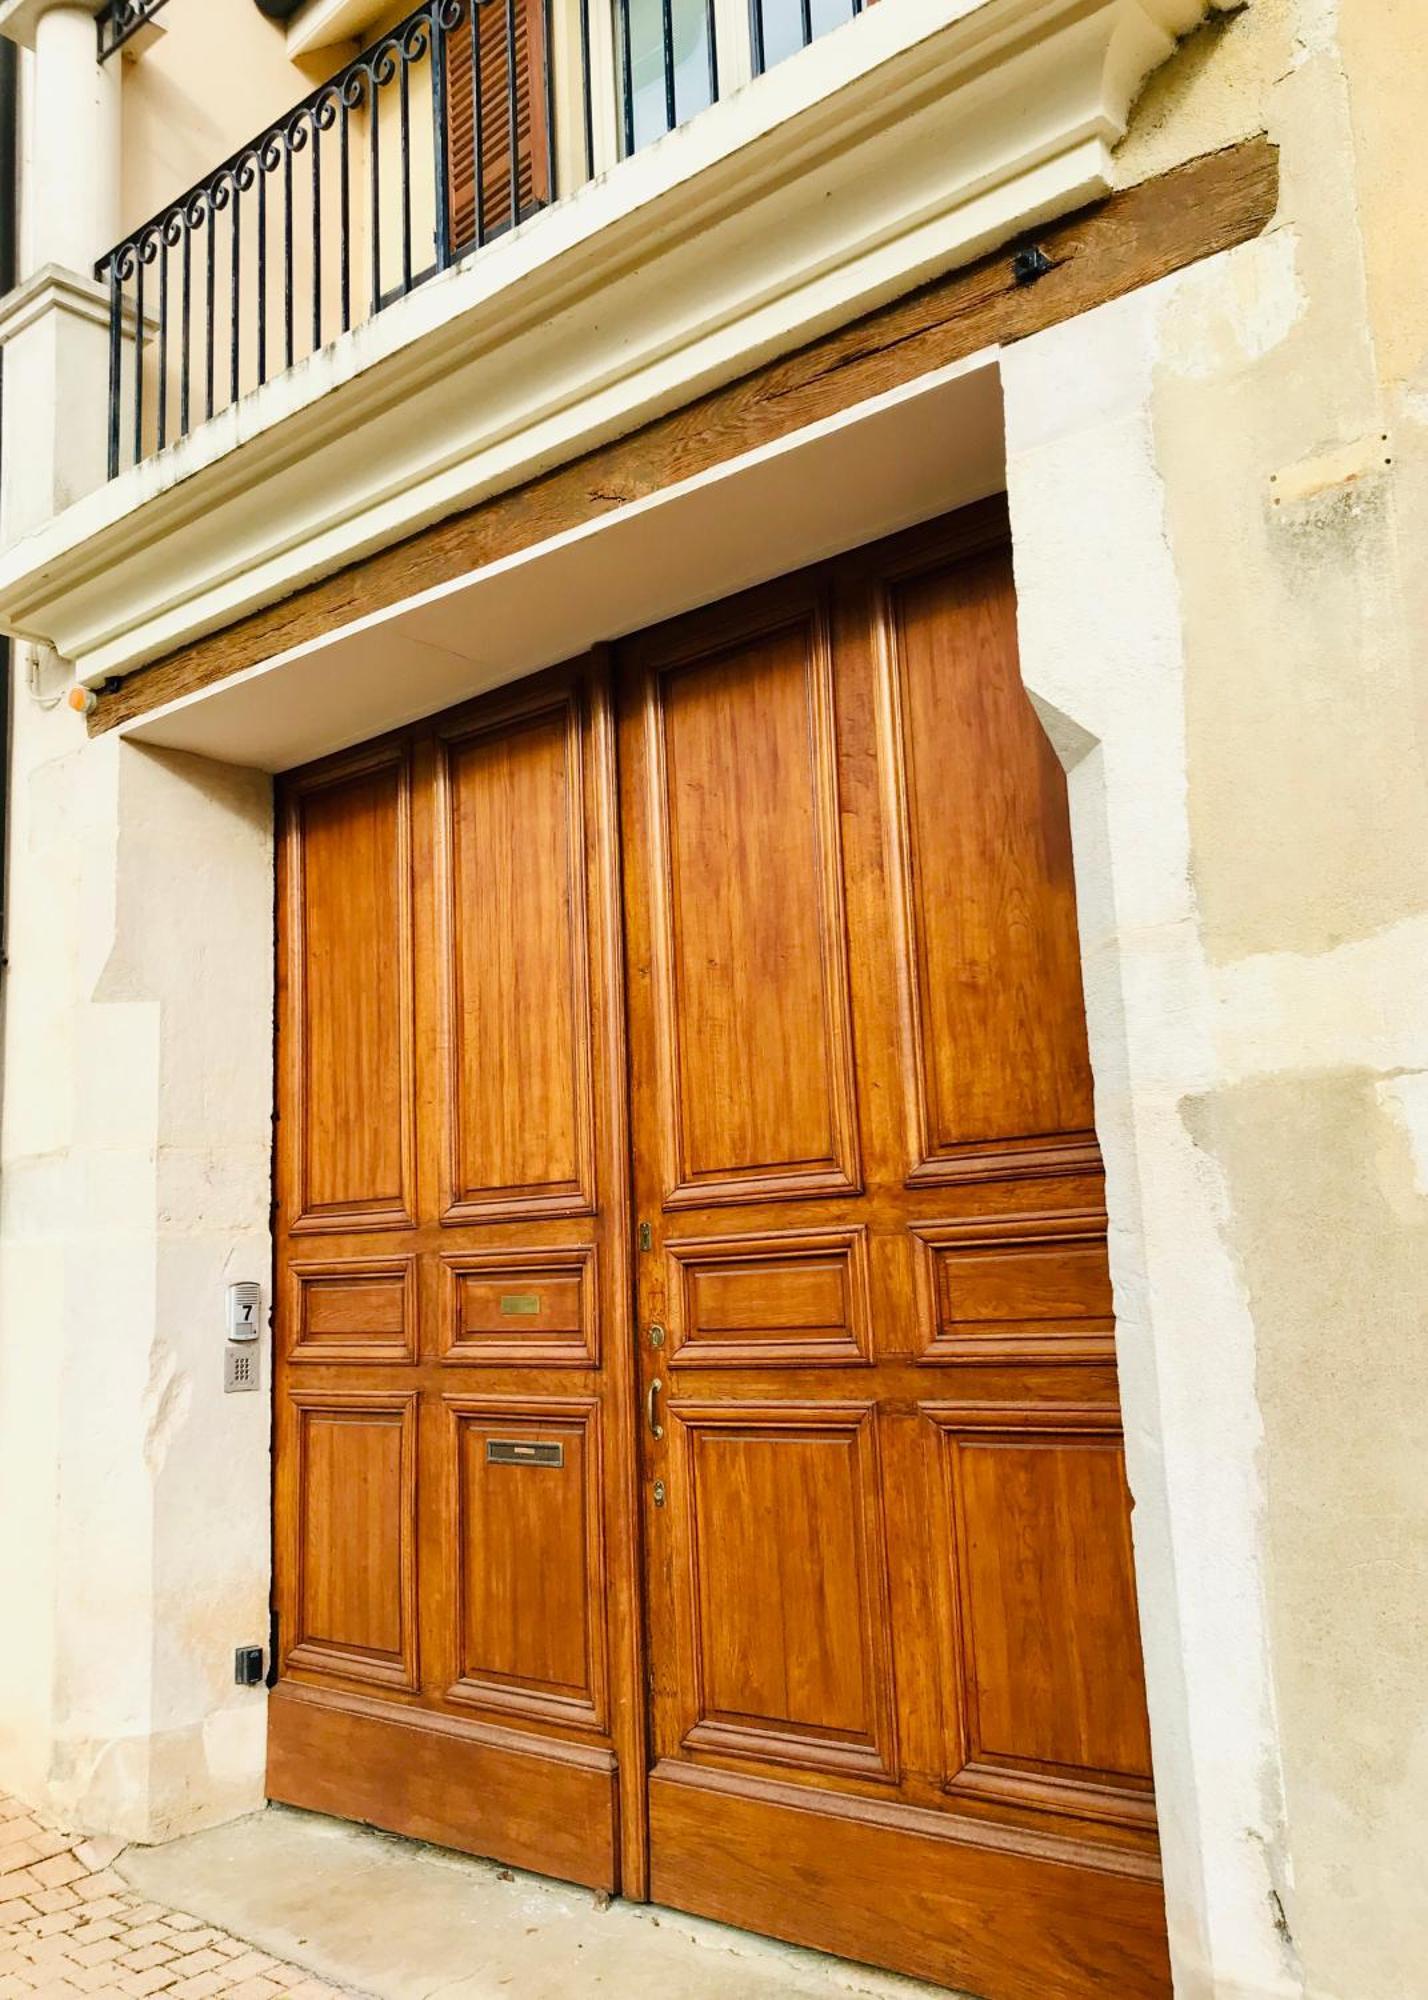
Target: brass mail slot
x=520, y=1302
x=516, y=1451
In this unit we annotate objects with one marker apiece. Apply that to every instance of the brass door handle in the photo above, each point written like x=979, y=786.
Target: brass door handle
x=652, y=1409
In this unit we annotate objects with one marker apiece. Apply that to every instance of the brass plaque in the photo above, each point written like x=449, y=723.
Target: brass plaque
x=524, y=1303
x=523, y=1451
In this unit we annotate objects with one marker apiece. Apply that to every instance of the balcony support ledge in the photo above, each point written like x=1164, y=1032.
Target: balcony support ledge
x=914, y=139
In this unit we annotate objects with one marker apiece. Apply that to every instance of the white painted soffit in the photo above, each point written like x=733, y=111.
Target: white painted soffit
x=907, y=456
x=326, y=24
x=907, y=141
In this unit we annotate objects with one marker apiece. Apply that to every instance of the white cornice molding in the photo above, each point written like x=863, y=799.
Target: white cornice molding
x=53, y=288
x=913, y=139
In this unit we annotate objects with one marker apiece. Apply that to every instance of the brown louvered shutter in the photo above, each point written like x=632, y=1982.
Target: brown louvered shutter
x=532, y=150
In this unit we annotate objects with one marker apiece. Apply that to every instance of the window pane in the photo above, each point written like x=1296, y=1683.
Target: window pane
x=783, y=24
x=647, y=64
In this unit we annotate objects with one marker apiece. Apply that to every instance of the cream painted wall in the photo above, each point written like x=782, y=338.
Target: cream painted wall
x=1229, y=642
x=218, y=73
x=134, y=1178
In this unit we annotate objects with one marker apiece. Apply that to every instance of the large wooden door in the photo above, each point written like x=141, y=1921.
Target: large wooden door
x=761, y=1542
x=458, y=1613
x=897, y=1701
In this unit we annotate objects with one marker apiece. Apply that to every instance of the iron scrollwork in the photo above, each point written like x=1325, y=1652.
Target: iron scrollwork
x=119, y=20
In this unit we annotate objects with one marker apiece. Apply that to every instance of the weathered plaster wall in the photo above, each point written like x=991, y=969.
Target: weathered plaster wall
x=134, y=1178
x=1253, y=813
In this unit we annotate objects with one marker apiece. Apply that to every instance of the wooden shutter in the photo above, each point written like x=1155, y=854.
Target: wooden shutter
x=532, y=149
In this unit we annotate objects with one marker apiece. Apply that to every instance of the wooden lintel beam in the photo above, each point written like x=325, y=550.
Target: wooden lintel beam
x=1127, y=240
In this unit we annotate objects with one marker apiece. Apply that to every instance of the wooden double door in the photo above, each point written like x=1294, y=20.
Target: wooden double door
x=698, y=1455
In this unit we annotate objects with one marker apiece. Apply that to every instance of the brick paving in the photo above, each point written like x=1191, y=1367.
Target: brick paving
x=69, y=1925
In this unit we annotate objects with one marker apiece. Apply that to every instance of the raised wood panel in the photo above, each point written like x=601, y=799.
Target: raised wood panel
x=1000, y=1078
x=359, y=1310
x=531, y=1309
x=790, y=1661
x=976, y=1908
x=532, y=1802
x=747, y=907
x=1015, y=1288
x=351, y=966
x=529, y=1556
x=353, y=1523
x=516, y=957
x=770, y=1300
x=1051, y=1709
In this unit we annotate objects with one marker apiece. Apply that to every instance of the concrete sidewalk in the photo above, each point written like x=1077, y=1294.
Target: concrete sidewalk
x=392, y=1919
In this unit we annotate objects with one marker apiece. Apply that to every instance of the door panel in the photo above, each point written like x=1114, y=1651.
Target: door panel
x=770, y=1298
x=746, y=894
x=352, y=1039
x=530, y=1613
x=543, y=1802
x=898, y=1709
x=785, y=1601
x=986, y=936
x=354, y=1536
x=532, y=1309
x=515, y=968
x=897, y=1884
x=455, y=1578
x=1049, y=1667
x=363, y=1310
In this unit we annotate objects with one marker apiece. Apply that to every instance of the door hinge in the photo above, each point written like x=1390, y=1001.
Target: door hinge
x=272, y=1675
x=646, y=1237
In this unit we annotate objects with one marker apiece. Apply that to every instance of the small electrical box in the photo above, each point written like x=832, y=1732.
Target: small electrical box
x=244, y=1304
x=248, y=1666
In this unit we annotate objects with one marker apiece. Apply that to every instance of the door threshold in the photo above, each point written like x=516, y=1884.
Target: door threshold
x=395, y=1919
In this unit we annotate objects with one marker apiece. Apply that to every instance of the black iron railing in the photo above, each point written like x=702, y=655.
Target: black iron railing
x=434, y=140
x=118, y=20
x=437, y=138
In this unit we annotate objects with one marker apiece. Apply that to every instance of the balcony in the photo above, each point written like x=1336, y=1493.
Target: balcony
x=398, y=330
x=453, y=128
